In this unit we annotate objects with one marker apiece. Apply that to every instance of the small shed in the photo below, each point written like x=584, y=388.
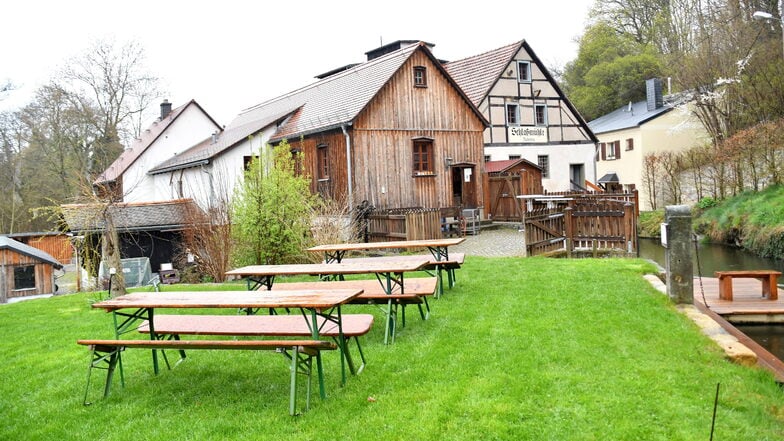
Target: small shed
x=24, y=270
x=505, y=181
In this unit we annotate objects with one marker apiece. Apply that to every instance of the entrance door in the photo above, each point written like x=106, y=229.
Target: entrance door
x=577, y=176
x=464, y=185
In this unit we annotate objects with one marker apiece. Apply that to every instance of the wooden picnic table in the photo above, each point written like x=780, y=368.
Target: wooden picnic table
x=388, y=273
x=130, y=309
x=439, y=249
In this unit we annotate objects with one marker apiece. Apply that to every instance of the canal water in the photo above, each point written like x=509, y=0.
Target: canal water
x=714, y=257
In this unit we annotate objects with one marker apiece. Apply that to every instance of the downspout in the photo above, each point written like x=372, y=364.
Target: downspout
x=348, y=168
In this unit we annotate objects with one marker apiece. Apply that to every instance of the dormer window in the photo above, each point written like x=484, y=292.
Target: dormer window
x=420, y=76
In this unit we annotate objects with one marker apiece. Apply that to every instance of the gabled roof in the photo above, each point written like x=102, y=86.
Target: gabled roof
x=478, y=74
x=141, y=144
x=209, y=149
x=627, y=117
x=143, y=216
x=337, y=99
x=10, y=244
x=507, y=164
x=636, y=114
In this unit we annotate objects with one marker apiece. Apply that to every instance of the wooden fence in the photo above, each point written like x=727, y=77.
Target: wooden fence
x=583, y=224
x=404, y=224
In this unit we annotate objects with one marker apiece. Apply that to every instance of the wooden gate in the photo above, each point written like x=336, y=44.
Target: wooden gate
x=583, y=224
x=503, y=190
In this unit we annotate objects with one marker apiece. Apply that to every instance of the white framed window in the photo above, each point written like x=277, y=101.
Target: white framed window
x=512, y=114
x=540, y=114
x=523, y=72
x=543, y=161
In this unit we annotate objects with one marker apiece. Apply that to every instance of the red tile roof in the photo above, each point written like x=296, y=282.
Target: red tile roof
x=476, y=75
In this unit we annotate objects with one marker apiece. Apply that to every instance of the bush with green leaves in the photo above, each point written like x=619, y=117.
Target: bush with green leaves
x=272, y=210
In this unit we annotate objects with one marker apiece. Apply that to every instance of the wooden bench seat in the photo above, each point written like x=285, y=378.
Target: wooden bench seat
x=767, y=277
x=106, y=354
x=416, y=290
x=455, y=261
x=295, y=325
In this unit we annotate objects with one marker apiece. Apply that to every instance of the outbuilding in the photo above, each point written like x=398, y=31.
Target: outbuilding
x=25, y=271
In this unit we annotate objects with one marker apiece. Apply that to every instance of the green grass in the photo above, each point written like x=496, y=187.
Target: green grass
x=754, y=220
x=520, y=349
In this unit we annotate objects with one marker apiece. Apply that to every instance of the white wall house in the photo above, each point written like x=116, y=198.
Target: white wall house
x=628, y=134
x=530, y=117
x=170, y=135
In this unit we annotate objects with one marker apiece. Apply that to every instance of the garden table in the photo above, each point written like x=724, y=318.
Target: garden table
x=439, y=249
x=129, y=309
x=388, y=273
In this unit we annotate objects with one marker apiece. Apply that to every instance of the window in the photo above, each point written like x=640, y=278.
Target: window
x=420, y=76
x=629, y=144
x=246, y=160
x=514, y=156
x=423, y=157
x=544, y=163
x=322, y=162
x=540, y=114
x=523, y=71
x=24, y=277
x=611, y=150
x=511, y=114
x=487, y=158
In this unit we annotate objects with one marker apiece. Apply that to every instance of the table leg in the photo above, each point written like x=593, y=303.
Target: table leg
x=319, y=366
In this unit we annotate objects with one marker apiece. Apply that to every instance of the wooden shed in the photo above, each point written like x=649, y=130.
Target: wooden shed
x=24, y=270
x=504, y=181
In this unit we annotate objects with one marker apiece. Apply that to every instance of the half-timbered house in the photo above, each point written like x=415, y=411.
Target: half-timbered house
x=530, y=117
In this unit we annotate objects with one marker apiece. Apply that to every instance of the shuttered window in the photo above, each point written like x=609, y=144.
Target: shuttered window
x=423, y=157
x=629, y=144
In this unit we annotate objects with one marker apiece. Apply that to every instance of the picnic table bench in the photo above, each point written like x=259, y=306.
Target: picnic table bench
x=413, y=291
x=106, y=354
x=353, y=326
x=767, y=277
x=454, y=262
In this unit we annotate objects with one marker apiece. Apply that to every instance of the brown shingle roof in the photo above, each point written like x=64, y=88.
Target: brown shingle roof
x=142, y=216
x=476, y=75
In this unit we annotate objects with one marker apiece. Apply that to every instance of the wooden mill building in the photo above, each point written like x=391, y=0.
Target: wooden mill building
x=24, y=270
x=395, y=131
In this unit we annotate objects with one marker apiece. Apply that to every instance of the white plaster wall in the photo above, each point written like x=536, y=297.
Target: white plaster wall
x=561, y=158
x=191, y=127
x=676, y=131
x=216, y=181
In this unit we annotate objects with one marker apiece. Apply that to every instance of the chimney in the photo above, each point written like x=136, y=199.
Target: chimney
x=214, y=138
x=165, y=109
x=653, y=92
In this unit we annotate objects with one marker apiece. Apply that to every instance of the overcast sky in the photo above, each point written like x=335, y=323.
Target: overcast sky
x=229, y=55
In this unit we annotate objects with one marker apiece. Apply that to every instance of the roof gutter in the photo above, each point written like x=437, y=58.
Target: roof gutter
x=348, y=167
x=159, y=171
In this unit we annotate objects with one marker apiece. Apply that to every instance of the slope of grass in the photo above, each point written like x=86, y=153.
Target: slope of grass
x=519, y=349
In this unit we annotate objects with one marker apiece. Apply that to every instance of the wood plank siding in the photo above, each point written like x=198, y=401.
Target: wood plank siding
x=44, y=275
x=382, y=136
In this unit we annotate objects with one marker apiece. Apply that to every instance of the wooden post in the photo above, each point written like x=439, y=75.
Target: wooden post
x=569, y=230
x=3, y=285
x=628, y=228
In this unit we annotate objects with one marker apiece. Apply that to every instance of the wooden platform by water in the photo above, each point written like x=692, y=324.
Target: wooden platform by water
x=747, y=305
x=747, y=300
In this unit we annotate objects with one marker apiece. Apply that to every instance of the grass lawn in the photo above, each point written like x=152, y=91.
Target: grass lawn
x=520, y=349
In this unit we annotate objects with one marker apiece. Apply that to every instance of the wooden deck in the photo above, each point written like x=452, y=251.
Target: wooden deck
x=747, y=299
x=747, y=305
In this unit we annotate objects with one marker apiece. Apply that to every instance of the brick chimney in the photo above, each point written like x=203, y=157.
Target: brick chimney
x=165, y=109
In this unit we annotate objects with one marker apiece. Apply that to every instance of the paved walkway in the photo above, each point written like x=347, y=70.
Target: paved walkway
x=494, y=242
